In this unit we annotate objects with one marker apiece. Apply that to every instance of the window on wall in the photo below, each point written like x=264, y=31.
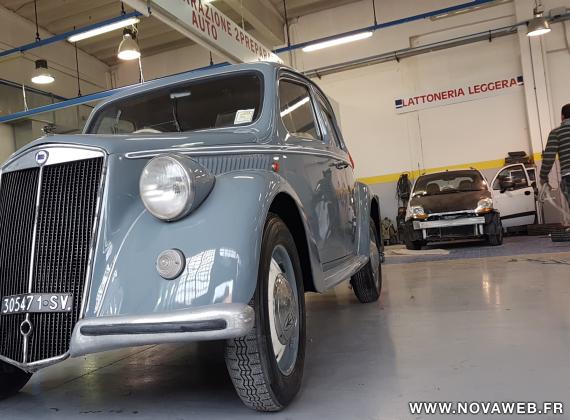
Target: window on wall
x=297, y=110
x=328, y=118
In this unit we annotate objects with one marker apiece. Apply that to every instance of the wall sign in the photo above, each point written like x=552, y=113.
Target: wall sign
x=207, y=26
x=458, y=94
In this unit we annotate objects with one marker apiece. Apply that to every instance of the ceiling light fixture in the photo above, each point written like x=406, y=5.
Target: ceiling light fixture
x=128, y=48
x=337, y=41
x=41, y=74
x=104, y=29
x=538, y=25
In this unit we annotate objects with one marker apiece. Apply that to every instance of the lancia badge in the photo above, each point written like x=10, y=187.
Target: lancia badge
x=41, y=157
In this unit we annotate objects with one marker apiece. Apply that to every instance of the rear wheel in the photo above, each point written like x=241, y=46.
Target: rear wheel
x=12, y=380
x=367, y=283
x=266, y=366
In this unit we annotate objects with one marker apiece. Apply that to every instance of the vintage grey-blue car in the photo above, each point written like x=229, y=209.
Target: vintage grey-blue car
x=201, y=206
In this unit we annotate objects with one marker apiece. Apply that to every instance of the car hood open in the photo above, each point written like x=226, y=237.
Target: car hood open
x=449, y=203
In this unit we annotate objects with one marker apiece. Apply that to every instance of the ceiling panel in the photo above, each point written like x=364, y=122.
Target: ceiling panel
x=59, y=16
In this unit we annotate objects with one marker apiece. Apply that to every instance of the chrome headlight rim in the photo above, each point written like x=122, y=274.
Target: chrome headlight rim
x=188, y=180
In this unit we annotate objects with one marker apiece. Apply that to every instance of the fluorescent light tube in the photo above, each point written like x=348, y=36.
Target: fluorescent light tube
x=337, y=41
x=295, y=106
x=103, y=29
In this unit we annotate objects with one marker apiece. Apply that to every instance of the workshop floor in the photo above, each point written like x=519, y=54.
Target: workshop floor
x=494, y=328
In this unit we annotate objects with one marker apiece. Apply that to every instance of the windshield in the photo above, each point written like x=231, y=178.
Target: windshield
x=449, y=182
x=228, y=101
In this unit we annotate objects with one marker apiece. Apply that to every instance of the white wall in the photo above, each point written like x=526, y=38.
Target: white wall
x=163, y=64
x=7, y=145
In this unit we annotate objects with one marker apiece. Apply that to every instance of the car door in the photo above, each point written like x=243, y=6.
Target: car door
x=312, y=173
x=342, y=166
x=517, y=204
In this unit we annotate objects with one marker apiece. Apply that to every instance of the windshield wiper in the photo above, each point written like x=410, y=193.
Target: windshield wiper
x=446, y=192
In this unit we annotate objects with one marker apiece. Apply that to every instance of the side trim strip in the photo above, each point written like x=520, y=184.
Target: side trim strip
x=225, y=150
x=515, y=215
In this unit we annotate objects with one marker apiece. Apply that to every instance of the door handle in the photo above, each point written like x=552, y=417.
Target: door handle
x=527, y=193
x=340, y=165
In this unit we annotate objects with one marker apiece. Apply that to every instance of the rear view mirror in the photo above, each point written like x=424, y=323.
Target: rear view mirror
x=506, y=183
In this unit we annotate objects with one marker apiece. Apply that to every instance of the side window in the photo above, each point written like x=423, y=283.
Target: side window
x=297, y=110
x=328, y=119
x=517, y=174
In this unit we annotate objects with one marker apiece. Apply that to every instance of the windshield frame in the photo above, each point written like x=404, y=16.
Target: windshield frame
x=93, y=118
x=485, y=183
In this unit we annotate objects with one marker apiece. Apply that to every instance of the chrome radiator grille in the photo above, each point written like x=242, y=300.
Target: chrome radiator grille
x=64, y=229
x=18, y=192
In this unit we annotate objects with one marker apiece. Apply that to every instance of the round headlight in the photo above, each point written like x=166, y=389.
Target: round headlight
x=485, y=205
x=418, y=212
x=166, y=188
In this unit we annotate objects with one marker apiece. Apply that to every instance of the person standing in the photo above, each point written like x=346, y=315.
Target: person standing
x=558, y=144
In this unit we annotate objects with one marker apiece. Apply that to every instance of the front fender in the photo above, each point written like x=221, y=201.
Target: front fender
x=364, y=199
x=364, y=204
x=220, y=239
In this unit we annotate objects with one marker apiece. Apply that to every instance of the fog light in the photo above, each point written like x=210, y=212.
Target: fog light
x=170, y=264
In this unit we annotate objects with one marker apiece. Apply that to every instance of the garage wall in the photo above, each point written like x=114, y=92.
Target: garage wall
x=558, y=62
x=384, y=143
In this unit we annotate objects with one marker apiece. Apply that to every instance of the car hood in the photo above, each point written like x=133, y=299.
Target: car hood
x=120, y=144
x=447, y=203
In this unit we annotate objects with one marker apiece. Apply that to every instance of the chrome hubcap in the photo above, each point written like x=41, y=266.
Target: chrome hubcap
x=283, y=310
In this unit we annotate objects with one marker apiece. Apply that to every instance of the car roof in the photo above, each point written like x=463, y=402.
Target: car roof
x=450, y=171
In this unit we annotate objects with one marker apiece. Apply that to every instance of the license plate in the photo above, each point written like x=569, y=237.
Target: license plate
x=37, y=302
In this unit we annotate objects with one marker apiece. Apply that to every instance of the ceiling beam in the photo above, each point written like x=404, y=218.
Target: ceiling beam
x=263, y=16
x=298, y=8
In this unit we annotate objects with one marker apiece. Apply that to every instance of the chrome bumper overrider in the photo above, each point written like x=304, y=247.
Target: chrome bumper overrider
x=213, y=322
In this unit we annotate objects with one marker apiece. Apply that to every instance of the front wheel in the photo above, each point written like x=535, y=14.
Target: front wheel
x=494, y=230
x=12, y=380
x=266, y=366
x=367, y=283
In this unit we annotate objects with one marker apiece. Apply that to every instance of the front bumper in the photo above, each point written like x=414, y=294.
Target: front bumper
x=472, y=226
x=212, y=322
x=465, y=221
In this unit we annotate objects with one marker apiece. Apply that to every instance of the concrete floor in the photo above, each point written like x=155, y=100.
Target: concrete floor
x=464, y=330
